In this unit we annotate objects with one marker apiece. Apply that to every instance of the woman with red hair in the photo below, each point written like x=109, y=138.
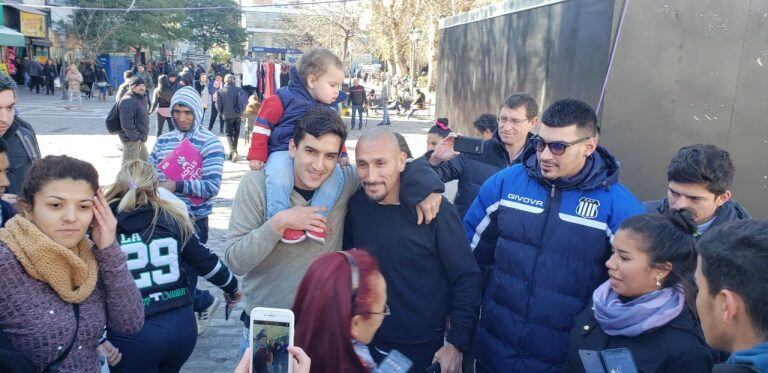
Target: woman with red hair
x=341, y=302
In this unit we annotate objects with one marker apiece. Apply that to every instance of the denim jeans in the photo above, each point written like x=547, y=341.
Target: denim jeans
x=357, y=109
x=279, y=171
x=385, y=118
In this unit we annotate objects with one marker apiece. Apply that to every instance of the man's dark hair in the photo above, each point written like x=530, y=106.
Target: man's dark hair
x=316, y=62
x=734, y=256
x=56, y=167
x=3, y=146
x=7, y=83
x=486, y=122
x=568, y=112
x=403, y=144
x=704, y=164
x=525, y=100
x=317, y=122
x=127, y=74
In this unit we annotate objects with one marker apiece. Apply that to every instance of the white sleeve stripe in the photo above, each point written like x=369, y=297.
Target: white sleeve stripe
x=483, y=225
x=261, y=130
x=229, y=280
x=213, y=272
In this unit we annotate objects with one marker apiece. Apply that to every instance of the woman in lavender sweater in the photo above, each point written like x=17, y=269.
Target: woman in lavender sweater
x=49, y=268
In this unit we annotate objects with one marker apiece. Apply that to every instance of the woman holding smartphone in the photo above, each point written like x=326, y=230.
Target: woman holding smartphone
x=642, y=307
x=158, y=238
x=60, y=287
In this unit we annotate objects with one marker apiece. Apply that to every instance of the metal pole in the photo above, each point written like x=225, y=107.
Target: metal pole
x=413, y=64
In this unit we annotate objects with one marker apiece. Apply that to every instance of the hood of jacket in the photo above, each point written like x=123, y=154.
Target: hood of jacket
x=188, y=97
x=296, y=86
x=136, y=220
x=756, y=357
x=600, y=171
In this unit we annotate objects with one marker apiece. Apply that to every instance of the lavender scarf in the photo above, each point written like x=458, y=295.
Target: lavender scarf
x=638, y=316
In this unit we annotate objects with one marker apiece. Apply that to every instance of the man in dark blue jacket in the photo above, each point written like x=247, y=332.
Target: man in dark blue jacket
x=700, y=178
x=517, y=117
x=544, y=227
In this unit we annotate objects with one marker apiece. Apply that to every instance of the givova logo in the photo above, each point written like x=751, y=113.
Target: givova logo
x=525, y=200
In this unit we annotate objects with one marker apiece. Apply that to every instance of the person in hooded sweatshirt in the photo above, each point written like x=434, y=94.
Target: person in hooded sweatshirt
x=700, y=178
x=543, y=228
x=197, y=193
x=159, y=241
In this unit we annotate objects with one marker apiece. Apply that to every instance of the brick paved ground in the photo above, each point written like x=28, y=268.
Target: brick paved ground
x=82, y=134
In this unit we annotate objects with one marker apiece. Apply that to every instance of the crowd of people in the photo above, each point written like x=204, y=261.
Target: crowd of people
x=543, y=262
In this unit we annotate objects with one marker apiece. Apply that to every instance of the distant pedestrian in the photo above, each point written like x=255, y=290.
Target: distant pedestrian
x=357, y=101
x=142, y=73
x=51, y=74
x=231, y=101
x=101, y=82
x=386, y=91
x=35, y=75
x=89, y=77
x=74, y=79
x=213, y=87
x=123, y=88
x=161, y=100
x=134, y=121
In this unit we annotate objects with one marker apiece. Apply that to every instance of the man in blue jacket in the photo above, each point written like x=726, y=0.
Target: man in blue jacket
x=700, y=178
x=544, y=227
x=517, y=117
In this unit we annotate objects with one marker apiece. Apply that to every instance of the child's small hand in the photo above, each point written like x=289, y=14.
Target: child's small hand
x=255, y=165
x=344, y=161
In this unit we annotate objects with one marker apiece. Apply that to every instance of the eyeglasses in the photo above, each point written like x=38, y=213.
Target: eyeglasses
x=515, y=121
x=556, y=147
x=386, y=312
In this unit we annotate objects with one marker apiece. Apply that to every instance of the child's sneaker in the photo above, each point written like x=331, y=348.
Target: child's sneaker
x=319, y=237
x=293, y=236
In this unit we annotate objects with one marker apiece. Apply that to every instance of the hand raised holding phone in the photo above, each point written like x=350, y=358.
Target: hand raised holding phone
x=444, y=150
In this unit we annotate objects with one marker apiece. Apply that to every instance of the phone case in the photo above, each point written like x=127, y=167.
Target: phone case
x=469, y=145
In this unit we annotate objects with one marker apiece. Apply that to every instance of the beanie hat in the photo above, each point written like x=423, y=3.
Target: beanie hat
x=136, y=80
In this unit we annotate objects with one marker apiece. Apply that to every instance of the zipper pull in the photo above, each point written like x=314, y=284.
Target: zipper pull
x=552, y=192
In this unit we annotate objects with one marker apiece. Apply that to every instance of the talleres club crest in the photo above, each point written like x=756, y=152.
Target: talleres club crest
x=587, y=208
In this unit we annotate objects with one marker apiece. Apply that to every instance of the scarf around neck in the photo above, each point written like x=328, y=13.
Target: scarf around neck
x=647, y=312
x=72, y=273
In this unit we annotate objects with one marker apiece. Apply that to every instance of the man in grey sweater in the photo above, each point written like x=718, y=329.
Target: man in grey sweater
x=272, y=269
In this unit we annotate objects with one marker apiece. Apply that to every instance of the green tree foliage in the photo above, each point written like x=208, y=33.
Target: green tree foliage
x=209, y=28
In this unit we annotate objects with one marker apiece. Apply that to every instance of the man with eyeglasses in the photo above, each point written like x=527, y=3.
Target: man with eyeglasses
x=517, y=117
x=430, y=271
x=544, y=227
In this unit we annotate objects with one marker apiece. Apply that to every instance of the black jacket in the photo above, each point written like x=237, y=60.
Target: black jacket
x=230, y=101
x=729, y=211
x=678, y=346
x=357, y=96
x=22, y=151
x=158, y=259
x=430, y=270
x=134, y=118
x=473, y=170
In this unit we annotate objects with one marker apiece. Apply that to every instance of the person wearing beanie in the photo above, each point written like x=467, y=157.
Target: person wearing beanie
x=197, y=193
x=134, y=120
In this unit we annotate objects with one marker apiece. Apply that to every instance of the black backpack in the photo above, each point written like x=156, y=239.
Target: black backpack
x=113, y=119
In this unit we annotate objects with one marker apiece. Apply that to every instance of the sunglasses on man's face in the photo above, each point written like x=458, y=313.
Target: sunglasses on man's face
x=556, y=147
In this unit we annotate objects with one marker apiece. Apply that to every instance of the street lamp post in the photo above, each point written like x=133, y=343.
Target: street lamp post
x=414, y=36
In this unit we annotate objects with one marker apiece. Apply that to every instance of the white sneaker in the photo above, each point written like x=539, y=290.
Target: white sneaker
x=204, y=317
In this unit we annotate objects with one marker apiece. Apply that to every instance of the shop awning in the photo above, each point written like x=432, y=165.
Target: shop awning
x=26, y=9
x=40, y=42
x=10, y=37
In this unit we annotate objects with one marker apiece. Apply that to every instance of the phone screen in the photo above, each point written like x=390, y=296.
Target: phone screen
x=270, y=346
x=619, y=361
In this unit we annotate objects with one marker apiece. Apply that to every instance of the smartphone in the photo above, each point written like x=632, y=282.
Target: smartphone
x=468, y=145
x=619, y=360
x=591, y=361
x=271, y=334
x=395, y=362
x=434, y=368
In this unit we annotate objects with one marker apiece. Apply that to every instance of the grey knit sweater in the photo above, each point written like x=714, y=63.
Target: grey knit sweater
x=40, y=324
